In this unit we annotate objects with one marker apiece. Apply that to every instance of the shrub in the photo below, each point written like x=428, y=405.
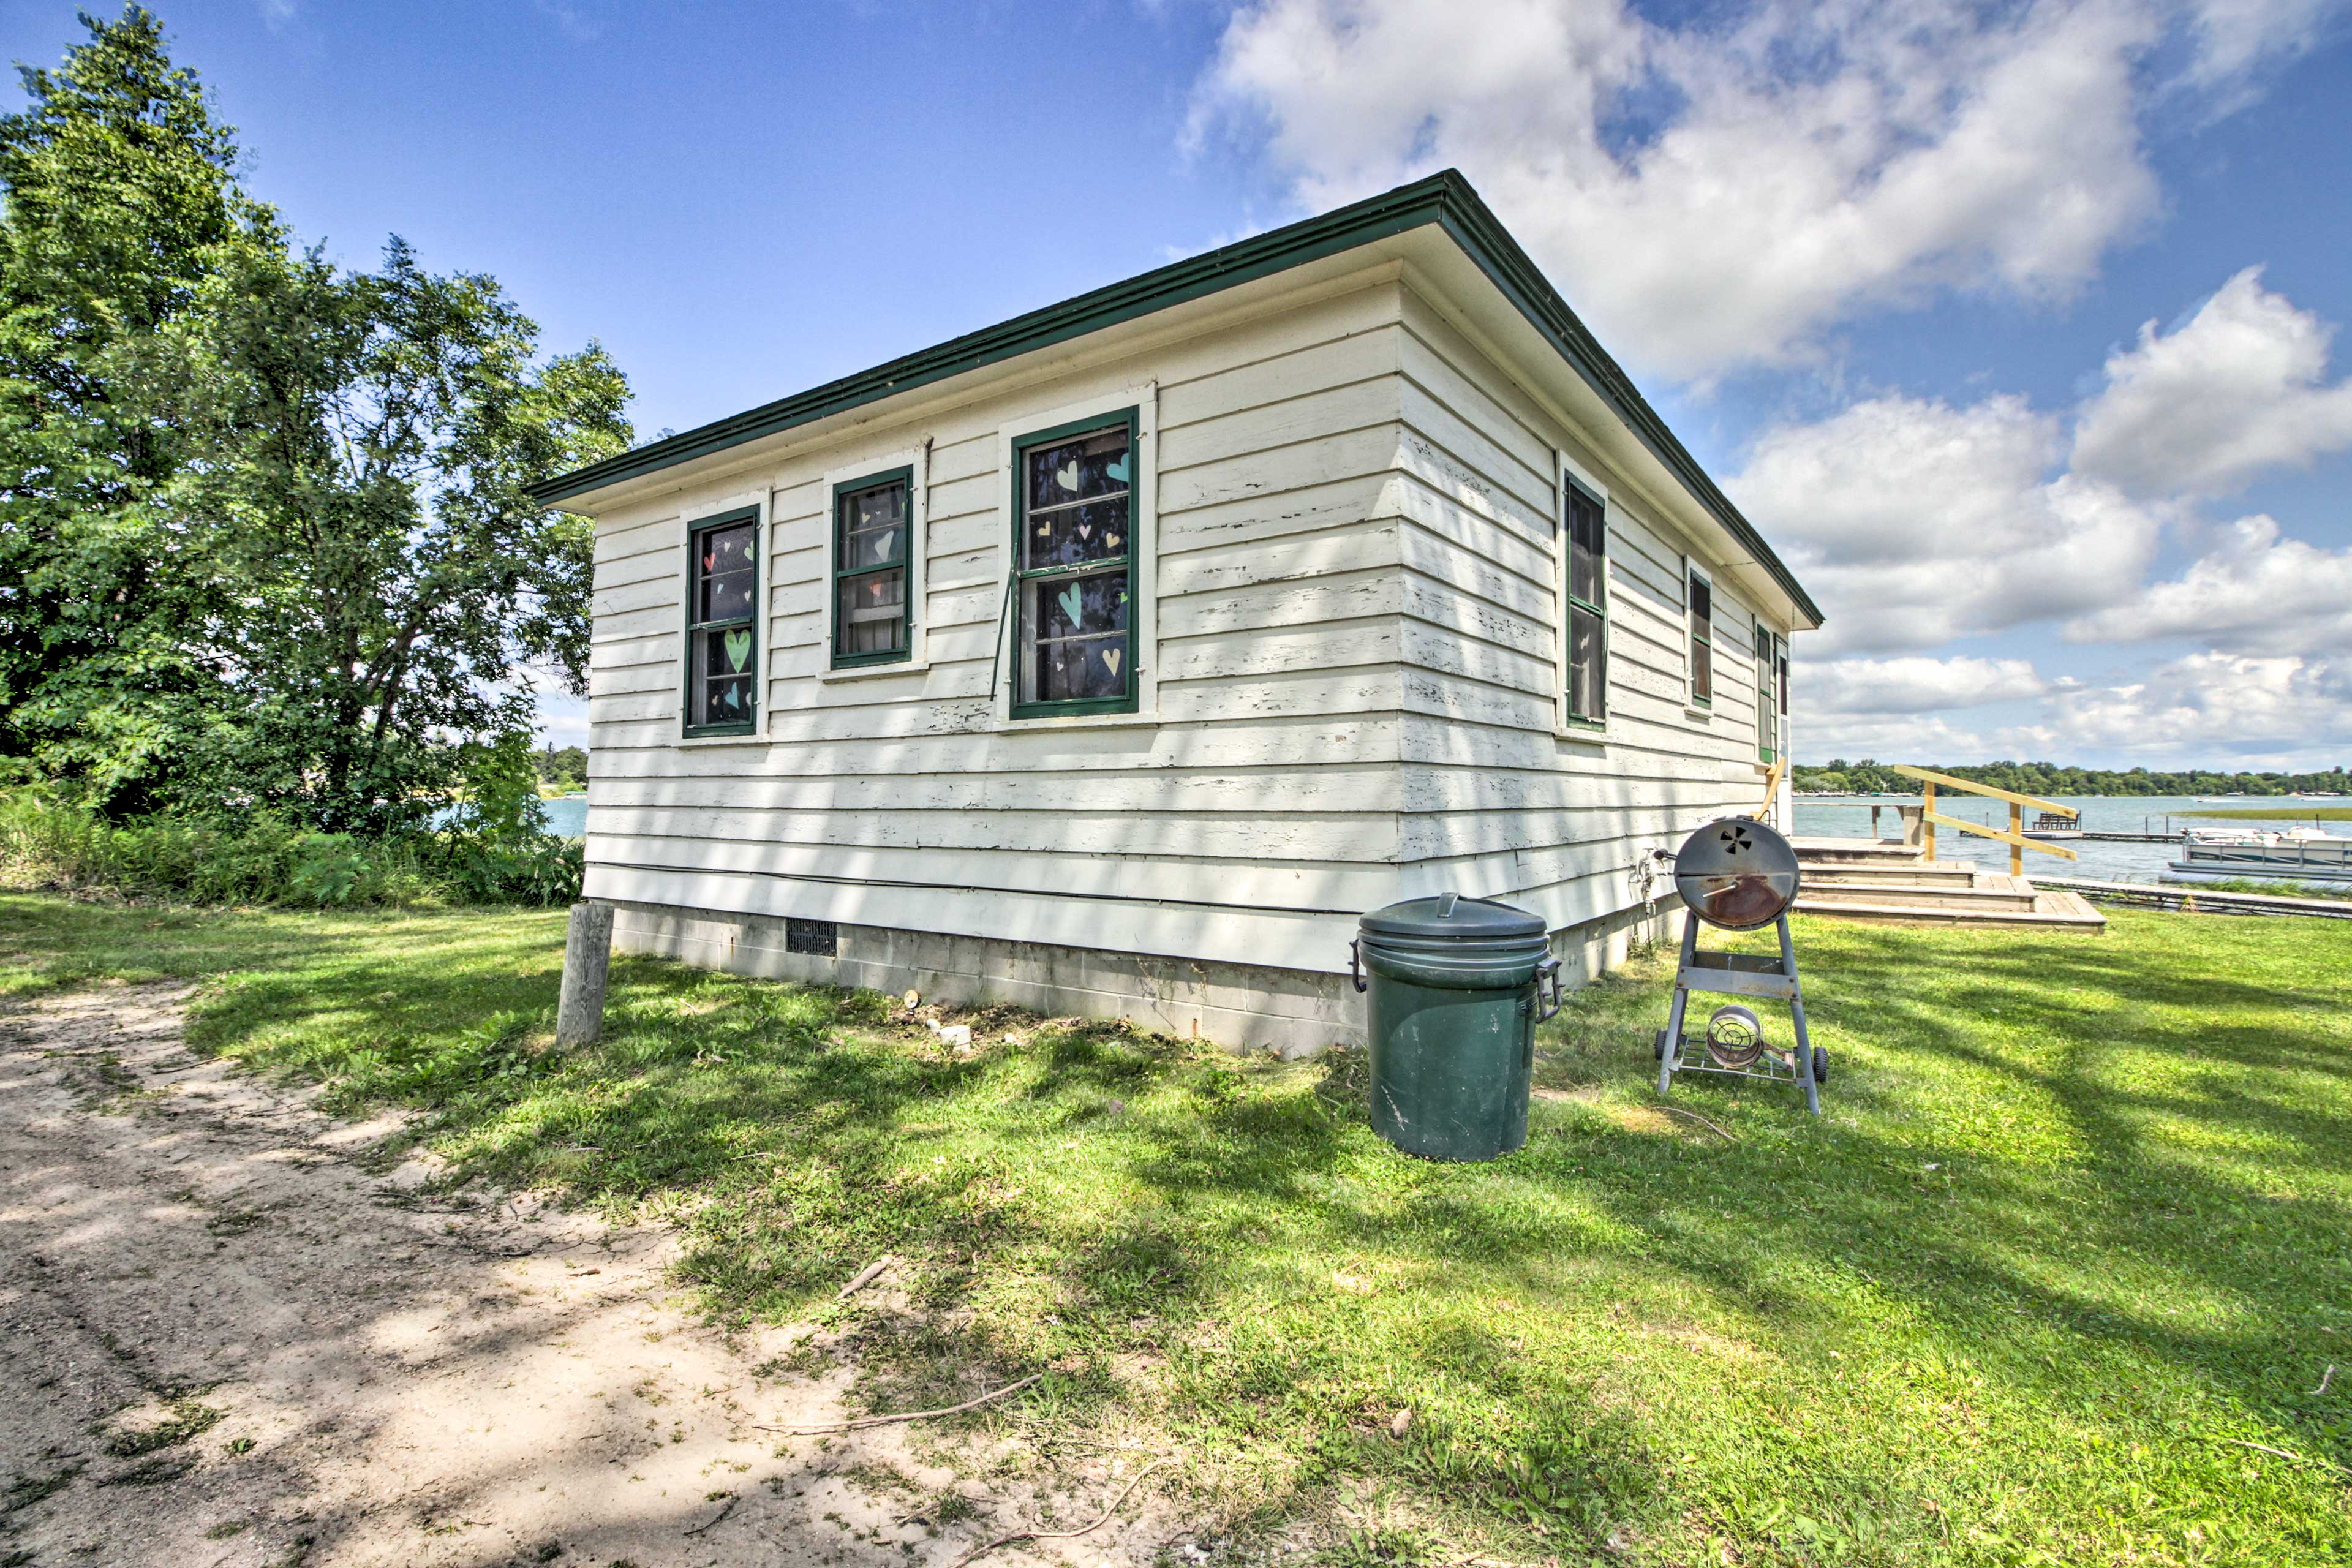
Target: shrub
x=263, y=861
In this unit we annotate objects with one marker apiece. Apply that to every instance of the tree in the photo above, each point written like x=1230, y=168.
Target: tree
x=566, y=766
x=360, y=445
x=116, y=184
x=264, y=539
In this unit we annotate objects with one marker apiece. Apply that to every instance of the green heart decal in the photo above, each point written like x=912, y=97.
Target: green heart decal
x=1070, y=602
x=738, y=649
x=1120, y=469
x=1066, y=475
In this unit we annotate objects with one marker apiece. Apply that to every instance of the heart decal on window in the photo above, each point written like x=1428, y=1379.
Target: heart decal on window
x=1120, y=469
x=738, y=649
x=1070, y=602
x=1066, y=475
x=1111, y=657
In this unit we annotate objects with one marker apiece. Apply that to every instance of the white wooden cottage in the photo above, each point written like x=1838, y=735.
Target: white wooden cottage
x=1111, y=660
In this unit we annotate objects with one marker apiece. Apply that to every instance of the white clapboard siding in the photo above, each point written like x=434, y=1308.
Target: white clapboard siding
x=1246, y=821
x=1357, y=591
x=1497, y=800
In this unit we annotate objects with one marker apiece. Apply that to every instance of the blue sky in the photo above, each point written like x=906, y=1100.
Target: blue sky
x=1886, y=268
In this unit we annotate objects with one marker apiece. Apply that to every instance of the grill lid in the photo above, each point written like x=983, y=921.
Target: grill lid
x=1737, y=873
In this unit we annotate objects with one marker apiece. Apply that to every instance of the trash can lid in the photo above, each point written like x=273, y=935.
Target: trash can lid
x=1451, y=915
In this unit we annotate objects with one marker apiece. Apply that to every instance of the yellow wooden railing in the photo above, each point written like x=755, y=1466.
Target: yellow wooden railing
x=1771, y=788
x=2015, y=837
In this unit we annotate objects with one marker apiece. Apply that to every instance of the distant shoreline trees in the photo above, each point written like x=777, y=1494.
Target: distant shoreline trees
x=2047, y=779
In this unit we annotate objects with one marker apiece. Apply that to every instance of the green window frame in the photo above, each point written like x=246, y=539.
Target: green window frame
x=1768, y=710
x=1781, y=709
x=1586, y=526
x=872, y=554
x=1073, y=589
x=1698, y=610
x=722, y=633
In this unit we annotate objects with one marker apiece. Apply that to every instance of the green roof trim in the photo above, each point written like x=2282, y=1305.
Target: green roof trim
x=1445, y=199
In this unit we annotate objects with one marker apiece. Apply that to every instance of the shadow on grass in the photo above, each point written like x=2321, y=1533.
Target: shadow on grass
x=2061, y=1183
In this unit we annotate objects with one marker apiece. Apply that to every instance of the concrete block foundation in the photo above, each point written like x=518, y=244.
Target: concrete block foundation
x=1242, y=1006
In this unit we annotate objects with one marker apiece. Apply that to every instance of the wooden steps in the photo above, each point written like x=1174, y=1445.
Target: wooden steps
x=1895, y=884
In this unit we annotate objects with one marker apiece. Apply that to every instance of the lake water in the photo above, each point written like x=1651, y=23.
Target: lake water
x=566, y=816
x=2101, y=814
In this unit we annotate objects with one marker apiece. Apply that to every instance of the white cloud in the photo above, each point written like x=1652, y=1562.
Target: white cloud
x=1913, y=685
x=1914, y=522
x=2236, y=37
x=562, y=718
x=1724, y=193
x=2237, y=391
x=1904, y=738
x=2255, y=592
x=2286, y=706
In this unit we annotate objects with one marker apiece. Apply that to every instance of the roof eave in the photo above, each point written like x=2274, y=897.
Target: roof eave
x=1445, y=199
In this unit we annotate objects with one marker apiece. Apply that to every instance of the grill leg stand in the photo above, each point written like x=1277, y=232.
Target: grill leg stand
x=1672, y=1041
x=1796, y=1013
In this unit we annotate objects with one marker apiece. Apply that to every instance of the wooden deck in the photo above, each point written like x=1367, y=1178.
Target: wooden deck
x=1891, y=883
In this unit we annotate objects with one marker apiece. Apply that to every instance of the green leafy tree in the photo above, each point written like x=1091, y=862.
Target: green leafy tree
x=361, y=444
x=568, y=765
x=116, y=187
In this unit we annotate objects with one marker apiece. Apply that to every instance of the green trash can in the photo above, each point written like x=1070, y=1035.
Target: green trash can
x=1458, y=987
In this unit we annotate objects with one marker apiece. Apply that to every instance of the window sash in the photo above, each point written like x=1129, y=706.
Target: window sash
x=1029, y=605
x=1768, y=711
x=848, y=580
x=1699, y=606
x=1781, y=707
x=1586, y=569
x=712, y=663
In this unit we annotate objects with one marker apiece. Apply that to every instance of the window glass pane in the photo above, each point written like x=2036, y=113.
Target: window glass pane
x=1586, y=547
x=1702, y=607
x=870, y=612
x=1067, y=536
x=1091, y=467
x=725, y=578
x=873, y=528
x=1075, y=631
x=1588, y=668
x=724, y=673
x=1701, y=671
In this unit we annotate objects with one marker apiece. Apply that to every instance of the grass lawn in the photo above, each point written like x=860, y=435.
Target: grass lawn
x=2078, y=1212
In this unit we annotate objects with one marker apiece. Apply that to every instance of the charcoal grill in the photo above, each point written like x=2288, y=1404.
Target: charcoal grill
x=1738, y=874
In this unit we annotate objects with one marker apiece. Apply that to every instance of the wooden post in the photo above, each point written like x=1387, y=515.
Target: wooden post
x=1927, y=792
x=2016, y=852
x=587, y=957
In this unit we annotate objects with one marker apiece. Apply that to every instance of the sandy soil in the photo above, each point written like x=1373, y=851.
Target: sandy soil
x=400, y=1377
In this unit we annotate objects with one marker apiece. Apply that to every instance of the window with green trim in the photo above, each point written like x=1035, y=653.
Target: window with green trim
x=1781, y=709
x=723, y=642
x=1587, y=614
x=873, y=614
x=1074, y=569
x=1768, y=716
x=1699, y=611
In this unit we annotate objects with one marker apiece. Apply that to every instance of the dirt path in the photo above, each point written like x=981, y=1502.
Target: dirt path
x=224, y=1344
